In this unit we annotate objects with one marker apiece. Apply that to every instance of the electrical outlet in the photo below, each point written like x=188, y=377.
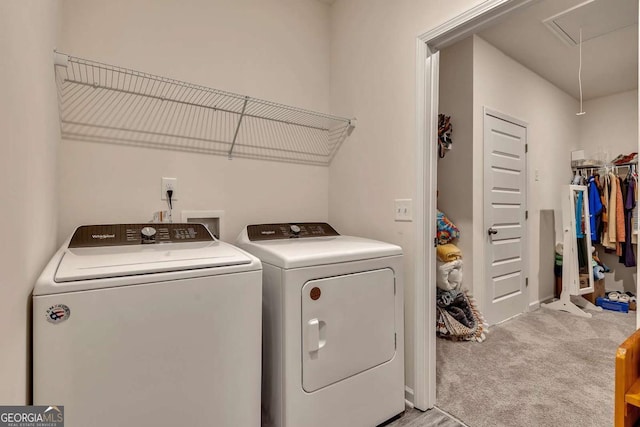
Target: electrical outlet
x=169, y=184
x=404, y=210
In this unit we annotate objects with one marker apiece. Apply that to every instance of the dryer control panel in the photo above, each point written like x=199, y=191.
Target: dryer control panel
x=290, y=230
x=89, y=236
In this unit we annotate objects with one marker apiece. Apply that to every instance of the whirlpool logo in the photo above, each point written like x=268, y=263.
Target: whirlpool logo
x=103, y=236
x=32, y=416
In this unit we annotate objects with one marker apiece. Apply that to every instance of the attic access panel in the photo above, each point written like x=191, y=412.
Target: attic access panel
x=595, y=17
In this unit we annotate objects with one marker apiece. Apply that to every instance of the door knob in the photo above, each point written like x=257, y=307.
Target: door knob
x=492, y=231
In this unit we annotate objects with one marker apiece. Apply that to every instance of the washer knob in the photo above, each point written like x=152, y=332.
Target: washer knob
x=295, y=229
x=148, y=235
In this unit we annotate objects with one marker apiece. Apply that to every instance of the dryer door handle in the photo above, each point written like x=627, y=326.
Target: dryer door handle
x=315, y=335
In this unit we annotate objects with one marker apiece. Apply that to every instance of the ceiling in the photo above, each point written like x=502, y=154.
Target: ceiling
x=609, y=48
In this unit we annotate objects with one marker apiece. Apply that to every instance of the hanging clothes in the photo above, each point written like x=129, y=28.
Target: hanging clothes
x=628, y=257
x=605, y=210
x=603, y=213
x=577, y=179
x=613, y=209
x=595, y=209
x=620, y=234
x=634, y=212
x=583, y=257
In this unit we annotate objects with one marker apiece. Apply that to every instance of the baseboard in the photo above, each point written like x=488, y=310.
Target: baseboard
x=408, y=397
x=536, y=304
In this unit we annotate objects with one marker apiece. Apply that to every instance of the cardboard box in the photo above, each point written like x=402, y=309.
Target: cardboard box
x=598, y=291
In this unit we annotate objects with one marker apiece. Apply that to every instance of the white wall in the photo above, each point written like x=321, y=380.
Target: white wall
x=609, y=128
x=373, y=53
x=504, y=85
x=272, y=49
x=29, y=129
x=455, y=170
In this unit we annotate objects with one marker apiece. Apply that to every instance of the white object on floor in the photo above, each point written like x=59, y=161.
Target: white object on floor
x=333, y=348
x=571, y=300
x=127, y=331
x=575, y=305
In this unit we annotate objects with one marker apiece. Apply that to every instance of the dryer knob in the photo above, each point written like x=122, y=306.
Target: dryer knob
x=295, y=229
x=148, y=234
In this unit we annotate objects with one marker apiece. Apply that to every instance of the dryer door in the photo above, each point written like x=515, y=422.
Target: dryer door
x=348, y=326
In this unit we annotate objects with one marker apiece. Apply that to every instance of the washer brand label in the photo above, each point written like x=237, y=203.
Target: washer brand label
x=103, y=236
x=58, y=313
x=268, y=232
x=31, y=416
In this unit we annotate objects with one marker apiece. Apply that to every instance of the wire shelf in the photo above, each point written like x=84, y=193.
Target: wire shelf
x=104, y=103
x=606, y=166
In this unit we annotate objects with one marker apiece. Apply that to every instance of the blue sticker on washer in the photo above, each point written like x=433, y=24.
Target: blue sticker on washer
x=58, y=313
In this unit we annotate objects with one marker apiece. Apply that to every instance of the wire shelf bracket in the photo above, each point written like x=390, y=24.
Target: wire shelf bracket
x=105, y=103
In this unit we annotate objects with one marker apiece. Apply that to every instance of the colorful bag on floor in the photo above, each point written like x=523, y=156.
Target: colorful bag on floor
x=458, y=318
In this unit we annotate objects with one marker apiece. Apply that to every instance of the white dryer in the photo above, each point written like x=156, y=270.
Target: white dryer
x=333, y=347
x=149, y=325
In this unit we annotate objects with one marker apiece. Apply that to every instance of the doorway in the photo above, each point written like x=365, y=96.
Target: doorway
x=429, y=47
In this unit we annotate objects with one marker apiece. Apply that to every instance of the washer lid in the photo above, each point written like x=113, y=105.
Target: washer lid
x=119, y=261
x=306, y=252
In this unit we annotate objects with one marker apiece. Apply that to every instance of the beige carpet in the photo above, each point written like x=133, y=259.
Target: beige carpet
x=544, y=368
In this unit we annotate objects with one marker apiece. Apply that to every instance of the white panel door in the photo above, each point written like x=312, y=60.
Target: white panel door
x=348, y=326
x=504, y=217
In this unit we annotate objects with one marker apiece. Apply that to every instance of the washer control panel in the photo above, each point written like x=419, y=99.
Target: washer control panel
x=89, y=236
x=290, y=231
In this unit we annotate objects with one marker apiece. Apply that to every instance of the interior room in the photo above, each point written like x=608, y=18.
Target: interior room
x=278, y=124
x=570, y=99
x=511, y=52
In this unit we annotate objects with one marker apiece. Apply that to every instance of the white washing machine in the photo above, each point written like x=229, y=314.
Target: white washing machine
x=333, y=346
x=149, y=325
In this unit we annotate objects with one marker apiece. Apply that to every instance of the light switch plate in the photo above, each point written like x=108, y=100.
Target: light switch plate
x=404, y=210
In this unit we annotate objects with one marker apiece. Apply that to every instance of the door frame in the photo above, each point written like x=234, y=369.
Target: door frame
x=486, y=111
x=423, y=395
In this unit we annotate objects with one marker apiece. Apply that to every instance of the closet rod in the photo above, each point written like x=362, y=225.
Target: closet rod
x=608, y=165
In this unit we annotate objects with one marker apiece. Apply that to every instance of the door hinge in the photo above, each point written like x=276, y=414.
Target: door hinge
x=526, y=281
x=526, y=214
x=435, y=242
x=395, y=341
x=526, y=148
